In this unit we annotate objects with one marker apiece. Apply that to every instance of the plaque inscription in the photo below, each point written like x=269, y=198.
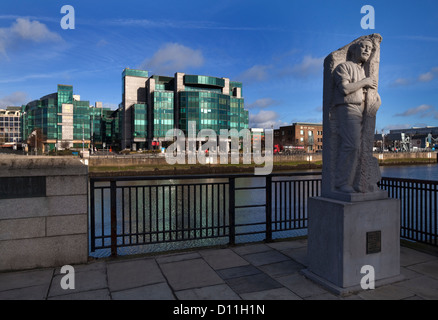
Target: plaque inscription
x=22, y=187
x=374, y=242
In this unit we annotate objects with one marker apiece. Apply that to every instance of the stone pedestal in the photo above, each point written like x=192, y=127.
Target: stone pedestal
x=345, y=236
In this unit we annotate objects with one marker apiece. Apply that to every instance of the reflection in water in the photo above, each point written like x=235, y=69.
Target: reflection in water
x=153, y=211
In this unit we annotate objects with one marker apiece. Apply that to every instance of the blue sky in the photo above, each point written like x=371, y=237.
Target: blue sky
x=276, y=48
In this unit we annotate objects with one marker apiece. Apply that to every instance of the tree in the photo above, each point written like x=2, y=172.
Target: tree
x=39, y=140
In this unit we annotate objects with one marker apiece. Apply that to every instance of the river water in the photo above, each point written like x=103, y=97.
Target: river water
x=250, y=215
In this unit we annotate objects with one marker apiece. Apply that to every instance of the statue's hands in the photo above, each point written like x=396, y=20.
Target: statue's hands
x=369, y=83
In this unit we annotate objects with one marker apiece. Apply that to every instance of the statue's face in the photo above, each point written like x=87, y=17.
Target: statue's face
x=364, y=51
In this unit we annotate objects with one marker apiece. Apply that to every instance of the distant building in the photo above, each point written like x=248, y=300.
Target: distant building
x=152, y=105
x=10, y=126
x=307, y=136
x=411, y=139
x=65, y=121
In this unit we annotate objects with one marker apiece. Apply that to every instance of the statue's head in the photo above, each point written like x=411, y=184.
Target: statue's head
x=360, y=52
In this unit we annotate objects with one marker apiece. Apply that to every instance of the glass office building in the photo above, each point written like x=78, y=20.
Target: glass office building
x=153, y=105
x=65, y=121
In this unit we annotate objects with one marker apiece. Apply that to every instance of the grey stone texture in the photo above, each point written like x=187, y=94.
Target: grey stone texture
x=45, y=231
x=337, y=239
x=189, y=276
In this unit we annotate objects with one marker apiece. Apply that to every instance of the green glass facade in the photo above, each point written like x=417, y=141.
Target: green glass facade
x=153, y=106
x=64, y=119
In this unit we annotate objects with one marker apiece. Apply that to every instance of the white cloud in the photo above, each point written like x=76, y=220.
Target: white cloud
x=414, y=111
x=173, y=57
x=266, y=119
x=17, y=98
x=24, y=30
x=428, y=76
x=262, y=103
x=255, y=73
x=307, y=67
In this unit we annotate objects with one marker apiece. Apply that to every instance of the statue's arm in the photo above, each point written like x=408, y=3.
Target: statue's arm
x=345, y=84
x=348, y=87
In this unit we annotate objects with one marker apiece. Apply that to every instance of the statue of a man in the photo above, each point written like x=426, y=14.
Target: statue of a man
x=349, y=102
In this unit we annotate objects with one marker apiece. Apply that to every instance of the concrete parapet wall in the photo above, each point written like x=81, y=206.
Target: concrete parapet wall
x=43, y=225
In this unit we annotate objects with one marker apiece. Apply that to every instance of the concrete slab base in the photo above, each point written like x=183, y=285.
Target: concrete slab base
x=344, y=237
x=348, y=290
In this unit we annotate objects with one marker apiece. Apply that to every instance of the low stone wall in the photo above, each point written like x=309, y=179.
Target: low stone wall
x=43, y=212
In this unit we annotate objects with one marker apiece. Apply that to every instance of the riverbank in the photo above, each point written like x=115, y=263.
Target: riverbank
x=150, y=169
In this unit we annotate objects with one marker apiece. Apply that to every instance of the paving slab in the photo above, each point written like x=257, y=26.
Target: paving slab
x=84, y=281
x=409, y=256
x=159, y=291
x=237, y=272
x=190, y=274
x=133, y=273
x=286, y=245
x=424, y=287
x=301, y=286
x=38, y=292
x=429, y=268
x=267, y=257
x=281, y=268
x=298, y=254
x=388, y=292
x=23, y=279
x=258, y=282
x=272, y=294
x=178, y=257
x=216, y=292
x=251, y=248
x=101, y=294
x=222, y=258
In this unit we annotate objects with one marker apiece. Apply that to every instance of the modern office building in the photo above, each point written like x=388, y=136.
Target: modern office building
x=10, y=126
x=65, y=121
x=152, y=105
x=307, y=136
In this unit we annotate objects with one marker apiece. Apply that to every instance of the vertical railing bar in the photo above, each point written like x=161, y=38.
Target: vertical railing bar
x=144, y=213
x=92, y=217
x=189, y=194
x=268, y=227
x=157, y=226
x=224, y=206
x=170, y=212
x=102, y=214
x=150, y=213
x=182, y=211
x=123, y=215
x=196, y=212
x=163, y=211
x=113, y=218
x=232, y=222
x=290, y=205
x=218, y=211
x=136, y=214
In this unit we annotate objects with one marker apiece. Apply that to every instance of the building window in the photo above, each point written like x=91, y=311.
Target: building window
x=302, y=139
x=301, y=132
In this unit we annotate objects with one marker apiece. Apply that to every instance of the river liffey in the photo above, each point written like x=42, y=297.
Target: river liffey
x=136, y=198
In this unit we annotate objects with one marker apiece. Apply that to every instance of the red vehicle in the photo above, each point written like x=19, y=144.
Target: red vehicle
x=278, y=148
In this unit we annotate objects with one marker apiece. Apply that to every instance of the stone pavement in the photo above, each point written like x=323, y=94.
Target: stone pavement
x=250, y=272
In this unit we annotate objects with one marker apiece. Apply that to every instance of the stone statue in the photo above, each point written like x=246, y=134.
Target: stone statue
x=350, y=104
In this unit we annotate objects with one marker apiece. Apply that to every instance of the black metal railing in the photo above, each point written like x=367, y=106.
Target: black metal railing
x=418, y=207
x=133, y=211
x=136, y=211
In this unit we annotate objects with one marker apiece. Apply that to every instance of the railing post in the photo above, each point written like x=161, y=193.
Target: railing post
x=268, y=208
x=113, y=218
x=92, y=218
x=232, y=211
